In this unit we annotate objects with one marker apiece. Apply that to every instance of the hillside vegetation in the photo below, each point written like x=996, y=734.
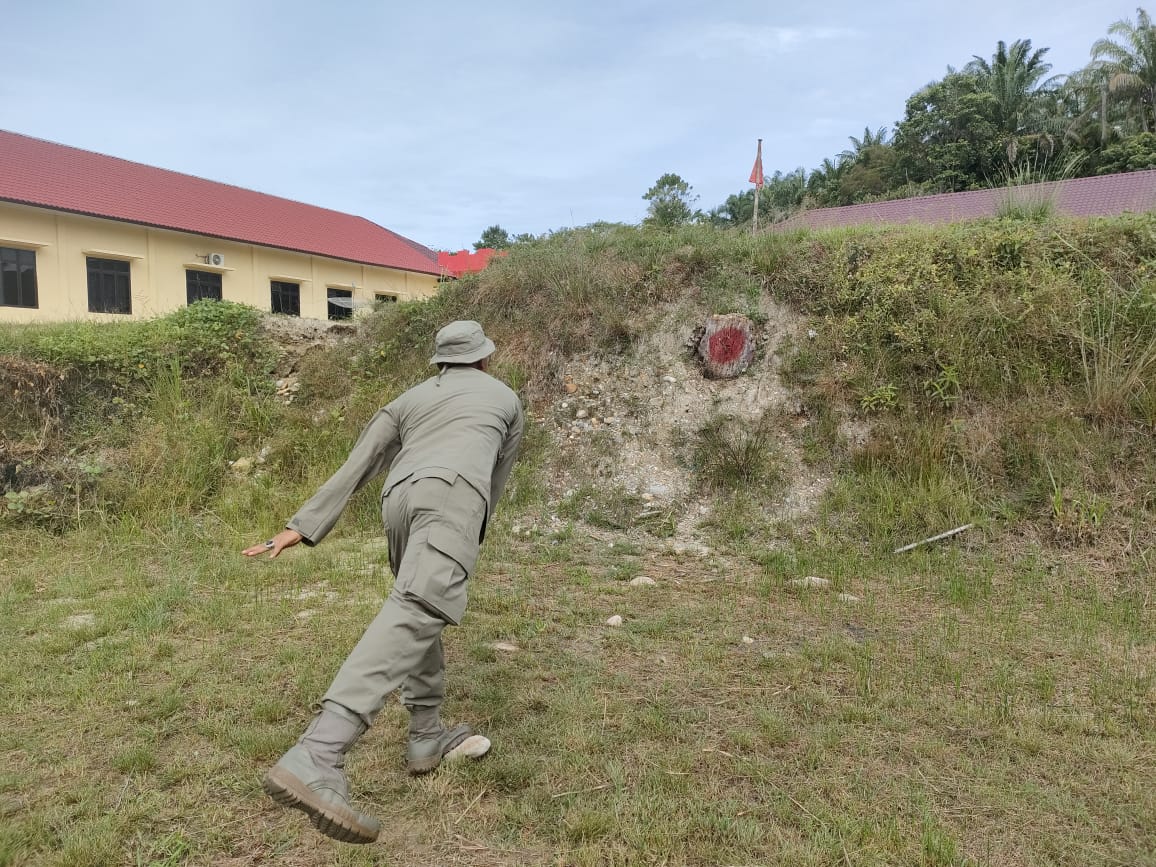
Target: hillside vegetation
x=987, y=699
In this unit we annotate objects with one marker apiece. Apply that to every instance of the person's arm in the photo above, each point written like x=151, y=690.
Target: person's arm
x=374, y=451
x=506, y=456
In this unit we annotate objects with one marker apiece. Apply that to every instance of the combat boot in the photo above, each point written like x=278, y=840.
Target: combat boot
x=430, y=742
x=311, y=777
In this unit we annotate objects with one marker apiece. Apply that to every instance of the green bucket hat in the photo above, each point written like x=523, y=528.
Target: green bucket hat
x=461, y=342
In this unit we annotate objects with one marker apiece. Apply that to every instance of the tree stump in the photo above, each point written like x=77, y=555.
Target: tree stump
x=726, y=347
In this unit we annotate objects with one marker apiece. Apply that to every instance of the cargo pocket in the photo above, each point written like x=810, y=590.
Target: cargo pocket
x=439, y=573
x=452, y=544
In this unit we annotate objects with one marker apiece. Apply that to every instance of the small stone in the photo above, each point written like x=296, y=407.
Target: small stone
x=812, y=333
x=642, y=581
x=811, y=581
x=242, y=465
x=616, y=620
x=648, y=496
x=505, y=646
x=669, y=379
x=305, y=613
x=581, y=414
x=847, y=597
x=565, y=405
x=748, y=640
x=609, y=419
x=571, y=388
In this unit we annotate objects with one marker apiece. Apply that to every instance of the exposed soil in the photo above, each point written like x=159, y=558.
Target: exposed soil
x=623, y=424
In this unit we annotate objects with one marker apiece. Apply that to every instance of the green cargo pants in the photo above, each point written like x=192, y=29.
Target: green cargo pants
x=434, y=522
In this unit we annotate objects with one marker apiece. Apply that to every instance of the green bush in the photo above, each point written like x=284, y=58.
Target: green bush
x=203, y=338
x=733, y=453
x=1006, y=306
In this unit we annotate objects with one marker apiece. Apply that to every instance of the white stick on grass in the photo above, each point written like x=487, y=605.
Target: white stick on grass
x=933, y=538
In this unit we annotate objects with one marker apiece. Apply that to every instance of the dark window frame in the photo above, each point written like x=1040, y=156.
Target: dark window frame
x=109, y=285
x=200, y=285
x=382, y=298
x=285, y=297
x=335, y=312
x=18, y=285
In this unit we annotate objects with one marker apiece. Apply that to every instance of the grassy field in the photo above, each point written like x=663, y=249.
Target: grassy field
x=985, y=700
x=966, y=711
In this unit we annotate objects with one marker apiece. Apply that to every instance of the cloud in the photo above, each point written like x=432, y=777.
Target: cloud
x=725, y=40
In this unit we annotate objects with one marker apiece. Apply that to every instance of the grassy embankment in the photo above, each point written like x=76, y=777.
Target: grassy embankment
x=990, y=700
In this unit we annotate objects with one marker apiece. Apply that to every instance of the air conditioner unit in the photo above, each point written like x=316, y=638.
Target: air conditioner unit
x=217, y=259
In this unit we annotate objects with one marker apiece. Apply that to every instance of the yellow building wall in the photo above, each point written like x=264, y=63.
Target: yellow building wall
x=159, y=259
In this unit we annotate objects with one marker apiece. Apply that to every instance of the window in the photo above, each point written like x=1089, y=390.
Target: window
x=380, y=299
x=17, y=278
x=340, y=303
x=109, y=286
x=286, y=298
x=202, y=284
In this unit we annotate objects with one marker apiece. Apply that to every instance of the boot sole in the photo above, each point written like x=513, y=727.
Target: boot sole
x=332, y=820
x=473, y=747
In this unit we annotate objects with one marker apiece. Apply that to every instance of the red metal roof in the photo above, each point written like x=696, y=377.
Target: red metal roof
x=49, y=175
x=1100, y=196
x=465, y=262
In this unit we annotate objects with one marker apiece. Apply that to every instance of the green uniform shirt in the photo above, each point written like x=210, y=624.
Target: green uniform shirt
x=462, y=422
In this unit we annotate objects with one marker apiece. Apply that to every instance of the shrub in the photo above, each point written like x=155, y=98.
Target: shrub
x=734, y=453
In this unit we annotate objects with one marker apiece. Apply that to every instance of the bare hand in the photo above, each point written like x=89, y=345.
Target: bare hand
x=284, y=539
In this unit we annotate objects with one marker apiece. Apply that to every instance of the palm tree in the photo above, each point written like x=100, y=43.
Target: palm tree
x=1131, y=66
x=1015, y=78
x=1092, y=119
x=786, y=190
x=823, y=182
x=869, y=140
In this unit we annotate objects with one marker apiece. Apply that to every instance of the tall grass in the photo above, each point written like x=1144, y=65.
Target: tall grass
x=1118, y=352
x=945, y=339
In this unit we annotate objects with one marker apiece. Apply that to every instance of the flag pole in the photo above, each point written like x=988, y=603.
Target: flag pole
x=755, y=230
x=757, y=180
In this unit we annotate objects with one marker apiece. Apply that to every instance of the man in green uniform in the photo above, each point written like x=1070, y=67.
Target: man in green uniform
x=449, y=445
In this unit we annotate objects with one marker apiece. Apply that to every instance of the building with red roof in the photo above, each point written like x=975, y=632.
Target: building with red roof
x=1100, y=196
x=83, y=235
x=465, y=262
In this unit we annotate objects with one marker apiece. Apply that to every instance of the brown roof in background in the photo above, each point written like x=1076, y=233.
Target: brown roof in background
x=1100, y=196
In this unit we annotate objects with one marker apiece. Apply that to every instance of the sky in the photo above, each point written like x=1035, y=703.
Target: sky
x=437, y=120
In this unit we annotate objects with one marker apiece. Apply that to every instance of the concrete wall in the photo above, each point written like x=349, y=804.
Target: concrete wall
x=158, y=260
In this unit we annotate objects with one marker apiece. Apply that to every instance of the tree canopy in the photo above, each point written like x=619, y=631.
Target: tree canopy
x=671, y=202
x=494, y=238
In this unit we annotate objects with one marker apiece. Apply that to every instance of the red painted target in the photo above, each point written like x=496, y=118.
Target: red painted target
x=726, y=347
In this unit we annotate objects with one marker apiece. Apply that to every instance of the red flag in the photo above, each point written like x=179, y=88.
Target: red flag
x=757, y=171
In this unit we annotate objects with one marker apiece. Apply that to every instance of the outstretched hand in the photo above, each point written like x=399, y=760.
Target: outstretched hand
x=284, y=539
